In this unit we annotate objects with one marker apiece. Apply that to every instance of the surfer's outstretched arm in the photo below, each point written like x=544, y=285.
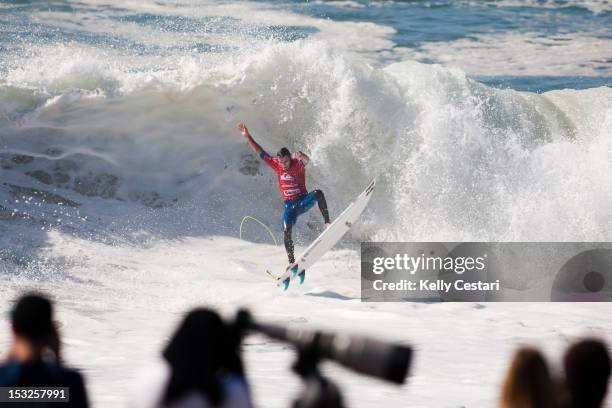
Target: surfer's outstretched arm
x=245, y=133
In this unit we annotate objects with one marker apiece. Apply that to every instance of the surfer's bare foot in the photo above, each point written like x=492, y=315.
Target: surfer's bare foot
x=327, y=224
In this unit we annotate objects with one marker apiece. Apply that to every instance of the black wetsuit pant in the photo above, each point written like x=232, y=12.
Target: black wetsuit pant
x=299, y=206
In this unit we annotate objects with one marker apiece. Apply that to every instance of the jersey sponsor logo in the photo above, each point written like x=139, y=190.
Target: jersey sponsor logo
x=286, y=177
x=291, y=192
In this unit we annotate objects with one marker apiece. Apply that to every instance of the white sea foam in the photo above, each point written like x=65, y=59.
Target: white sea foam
x=456, y=159
x=530, y=54
x=118, y=305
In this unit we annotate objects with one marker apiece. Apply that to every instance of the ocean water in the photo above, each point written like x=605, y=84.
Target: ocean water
x=484, y=120
x=123, y=180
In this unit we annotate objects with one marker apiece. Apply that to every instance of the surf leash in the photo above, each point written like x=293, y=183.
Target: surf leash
x=248, y=217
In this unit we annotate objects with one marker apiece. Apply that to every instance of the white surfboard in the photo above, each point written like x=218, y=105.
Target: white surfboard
x=327, y=239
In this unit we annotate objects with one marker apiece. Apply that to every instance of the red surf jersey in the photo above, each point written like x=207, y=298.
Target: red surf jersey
x=291, y=182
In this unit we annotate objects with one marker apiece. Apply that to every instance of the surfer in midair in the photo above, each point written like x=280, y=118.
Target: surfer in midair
x=290, y=169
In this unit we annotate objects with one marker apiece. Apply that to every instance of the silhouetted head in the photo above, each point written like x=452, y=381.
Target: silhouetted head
x=587, y=371
x=200, y=352
x=32, y=321
x=284, y=158
x=528, y=383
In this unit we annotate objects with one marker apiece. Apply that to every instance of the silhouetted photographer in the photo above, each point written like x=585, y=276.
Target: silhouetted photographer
x=587, y=367
x=389, y=362
x=34, y=358
x=200, y=368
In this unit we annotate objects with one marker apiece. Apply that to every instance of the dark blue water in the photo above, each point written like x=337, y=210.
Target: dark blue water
x=421, y=22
